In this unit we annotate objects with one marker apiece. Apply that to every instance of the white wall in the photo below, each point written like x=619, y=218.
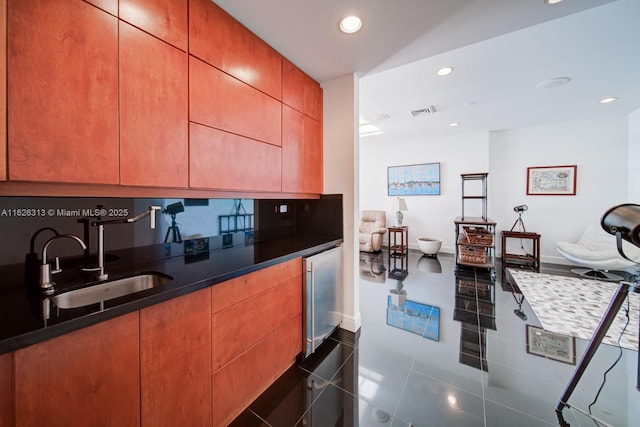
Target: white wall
x=598, y=147
x=428, y=216
x=340, y=163
x=634, y=157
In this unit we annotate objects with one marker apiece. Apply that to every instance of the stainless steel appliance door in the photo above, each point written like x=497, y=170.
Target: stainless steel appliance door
x=323, y=287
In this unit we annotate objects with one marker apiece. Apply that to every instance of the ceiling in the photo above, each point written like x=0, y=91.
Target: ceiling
x=500, y=50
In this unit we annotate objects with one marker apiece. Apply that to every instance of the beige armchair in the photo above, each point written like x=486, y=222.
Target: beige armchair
x=373, y=225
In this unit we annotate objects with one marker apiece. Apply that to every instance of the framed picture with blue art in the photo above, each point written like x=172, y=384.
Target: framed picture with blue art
x=415, y=317
x=414, y=180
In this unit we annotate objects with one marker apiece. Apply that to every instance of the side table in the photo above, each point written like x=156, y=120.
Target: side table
x=398, y=241
x=529, y=261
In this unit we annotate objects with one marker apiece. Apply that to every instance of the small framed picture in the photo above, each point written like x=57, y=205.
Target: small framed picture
x=551, y=345
x=551, y=180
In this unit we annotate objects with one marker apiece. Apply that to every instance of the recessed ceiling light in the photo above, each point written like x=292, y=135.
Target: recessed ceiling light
x=350, y=24
x=445, y=71
x=454, y=124
x=608, y=100
x=553, y=1
x=553, y=83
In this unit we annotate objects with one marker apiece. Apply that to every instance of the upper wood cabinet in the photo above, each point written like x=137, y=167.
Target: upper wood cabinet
x=218, y=100
x=6, y=390
x=87, y=377
x=62, y=92
x=3, y=90
x=300, y=91
x=226, y=161
x=301, y=152
x=217, y=38
x=153, y=111
x=110, y=6
x=165, y=19
x=175, y=361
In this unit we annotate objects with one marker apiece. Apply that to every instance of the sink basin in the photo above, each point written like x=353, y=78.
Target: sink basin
x=110, y=290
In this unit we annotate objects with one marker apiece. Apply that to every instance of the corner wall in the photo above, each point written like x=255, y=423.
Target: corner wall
x=634, y=156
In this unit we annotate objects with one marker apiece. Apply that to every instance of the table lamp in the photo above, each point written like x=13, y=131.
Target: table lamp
x=399, y=205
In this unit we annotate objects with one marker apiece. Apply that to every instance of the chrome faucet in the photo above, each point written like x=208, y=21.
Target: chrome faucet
x=46, y=284
x=102, y=275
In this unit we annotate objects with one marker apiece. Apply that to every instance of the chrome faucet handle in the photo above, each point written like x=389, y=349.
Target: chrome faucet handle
x=46, y=284
x=57, y=268
x=152, y=215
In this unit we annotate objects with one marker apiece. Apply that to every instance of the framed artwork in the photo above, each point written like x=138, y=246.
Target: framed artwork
x=415, y=317
x=414, y=180
x=551, y=345
x=551, y=180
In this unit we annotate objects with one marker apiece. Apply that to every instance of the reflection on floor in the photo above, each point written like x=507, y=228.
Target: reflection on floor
x=438, y=348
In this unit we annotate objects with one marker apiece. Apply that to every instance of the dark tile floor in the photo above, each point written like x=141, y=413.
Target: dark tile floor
x=438, y=349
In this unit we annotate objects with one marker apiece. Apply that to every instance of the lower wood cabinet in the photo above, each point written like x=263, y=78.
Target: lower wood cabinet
x=87, y=377
x=175, y=361
x=6, y=390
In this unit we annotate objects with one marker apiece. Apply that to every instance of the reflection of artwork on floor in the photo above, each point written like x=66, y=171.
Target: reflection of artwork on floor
x=415, y=317
x=551, y=345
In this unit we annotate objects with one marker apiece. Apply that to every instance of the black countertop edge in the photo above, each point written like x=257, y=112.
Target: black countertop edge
x=137, y=303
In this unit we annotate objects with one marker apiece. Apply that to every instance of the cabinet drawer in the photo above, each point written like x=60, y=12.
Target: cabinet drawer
x=235, y=290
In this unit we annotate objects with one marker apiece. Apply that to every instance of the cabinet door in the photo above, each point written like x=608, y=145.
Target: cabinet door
x=301, y=152
x=87, y=377
x=165, y=19
x=218, y=39
x=6, y=390
x=243, y=379
x=153, y=111
x=175, y=361
x=222, y=160
x=3, y=90
x=62, y=92
x=300, y=91
x=223, y=102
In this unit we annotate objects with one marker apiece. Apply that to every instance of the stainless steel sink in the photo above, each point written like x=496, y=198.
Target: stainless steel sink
x=109, y=290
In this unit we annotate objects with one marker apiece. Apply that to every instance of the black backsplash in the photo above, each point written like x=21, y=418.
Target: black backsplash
x=202, y=224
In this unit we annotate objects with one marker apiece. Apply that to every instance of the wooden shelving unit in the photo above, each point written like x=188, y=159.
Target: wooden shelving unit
x=528, y=261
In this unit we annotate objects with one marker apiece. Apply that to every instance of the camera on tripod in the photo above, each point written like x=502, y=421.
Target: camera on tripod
x=172, y=210
x=521, y=208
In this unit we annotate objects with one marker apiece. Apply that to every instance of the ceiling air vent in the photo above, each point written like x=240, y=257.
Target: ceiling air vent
x=424, y=111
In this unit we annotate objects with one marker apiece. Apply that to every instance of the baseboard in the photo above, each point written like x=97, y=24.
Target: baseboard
x=351, y=323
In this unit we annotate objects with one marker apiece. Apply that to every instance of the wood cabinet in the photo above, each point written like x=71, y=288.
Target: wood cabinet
x=218, y=100
x=165, y=19
x=223, y=160
x=3, y=90
x=175, y=361
x=110, y=6
x=300, y=91
x=256, y=335
x=6, y=390
x=301, y=152
x=218, y=39
x=62, y=92
x=153, y=111
x=89, y=377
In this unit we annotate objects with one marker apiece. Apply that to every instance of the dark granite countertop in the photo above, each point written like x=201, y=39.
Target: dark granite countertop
x=23, y=321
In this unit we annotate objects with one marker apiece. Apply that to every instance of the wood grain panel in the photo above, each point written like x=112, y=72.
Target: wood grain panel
x=300, y=91
x=165, y=19
x=227, y=293
x=175, y=361
x=217, y=38
x=3, y=90
x=110, y=6
x=313, y=156
x=301, y=152
x=292, y=150
x=154, y=131
x=222, y=160
x=6, y=390
x=239, y=382
x=218, y=100
x=62, y=92
x=242, y=325
x=87, y=377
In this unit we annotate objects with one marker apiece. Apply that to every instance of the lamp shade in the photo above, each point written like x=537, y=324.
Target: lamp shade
x=399, y=204
x=624, y=221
